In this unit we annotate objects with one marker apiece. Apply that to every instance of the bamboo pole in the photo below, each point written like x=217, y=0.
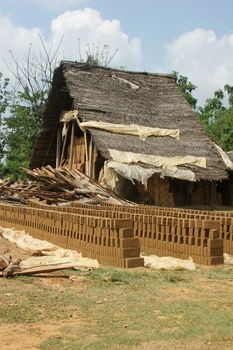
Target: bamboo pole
x=71, y=146
x=58, y=151
x=64, y=145
x=91, y=158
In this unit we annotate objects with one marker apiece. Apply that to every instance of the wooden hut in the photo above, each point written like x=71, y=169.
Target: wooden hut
x=132, y=131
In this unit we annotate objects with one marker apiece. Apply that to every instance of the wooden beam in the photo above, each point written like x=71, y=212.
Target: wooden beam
x=58, y=150
x=71, y=146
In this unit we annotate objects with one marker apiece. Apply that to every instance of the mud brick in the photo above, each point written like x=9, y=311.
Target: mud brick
x=121, y=223
x=126, y=232
x=213, y=234
x=129, y=243
x=198, y=223
x=215, y=243
x=215, y=251
x=210, y=225
x=133, y=262
x=129, y=252
x=216, y=260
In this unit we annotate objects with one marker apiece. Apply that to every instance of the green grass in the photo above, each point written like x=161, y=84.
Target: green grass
x=117, y=309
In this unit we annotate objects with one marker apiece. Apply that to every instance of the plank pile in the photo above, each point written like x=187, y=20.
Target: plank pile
x=57, y=186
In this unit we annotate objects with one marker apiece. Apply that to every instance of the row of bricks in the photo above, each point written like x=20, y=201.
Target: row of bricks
x=125, y=248
x=226, y=224
x=113, y=257
x=215, y=249
x=157, y=220
x=70, y=229
x=75, y=215
x=213, y=234
x=153, y=210
x=125, y=212
x=122, y=238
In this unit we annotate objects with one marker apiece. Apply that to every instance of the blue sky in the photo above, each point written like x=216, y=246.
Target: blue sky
x=192, y=36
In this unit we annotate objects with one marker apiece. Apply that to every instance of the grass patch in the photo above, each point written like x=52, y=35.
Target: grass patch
x=118, y=309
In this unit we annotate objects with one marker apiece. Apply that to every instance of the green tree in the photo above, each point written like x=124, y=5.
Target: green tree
x=217, y=119
x=22, y=122
x=5, y=97
x=187, y=87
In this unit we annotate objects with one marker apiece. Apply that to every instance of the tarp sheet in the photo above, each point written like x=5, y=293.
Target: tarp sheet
x=65, y=118
x=141, y=174
x=132, y=129
x=168, y=263
x=227, y=161
x=156, y=161
x=52, y=254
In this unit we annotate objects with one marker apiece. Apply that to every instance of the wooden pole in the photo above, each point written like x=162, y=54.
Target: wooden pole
x=71, y=146
x=91, y=158
x=87, y=161
x=64, y=145
x=58, y=151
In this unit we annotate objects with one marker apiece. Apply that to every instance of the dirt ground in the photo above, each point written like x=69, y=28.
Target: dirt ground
x=117, y=309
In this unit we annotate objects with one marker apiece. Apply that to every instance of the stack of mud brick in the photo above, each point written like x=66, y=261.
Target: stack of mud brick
x=224, y=219
x=162, y=231
x=109, y=240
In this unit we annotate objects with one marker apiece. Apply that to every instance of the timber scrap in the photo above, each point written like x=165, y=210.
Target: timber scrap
x=57, y=186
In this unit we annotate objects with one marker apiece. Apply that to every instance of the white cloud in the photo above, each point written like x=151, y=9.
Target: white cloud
x=204, y=57
x=86, y=24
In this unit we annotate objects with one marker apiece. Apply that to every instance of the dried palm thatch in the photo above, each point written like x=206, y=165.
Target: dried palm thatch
x=124, y=97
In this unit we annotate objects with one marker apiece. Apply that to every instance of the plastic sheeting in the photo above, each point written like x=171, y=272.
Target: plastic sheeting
x=52, y=254
x=168, y=263
x=228, y=259
x=156, y=161
x=140, y=174
x=65, y=118
x=132, y=129
x=227, y=161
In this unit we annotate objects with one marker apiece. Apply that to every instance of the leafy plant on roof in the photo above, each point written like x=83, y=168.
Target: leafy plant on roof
x=95, y=55
x=187, y=87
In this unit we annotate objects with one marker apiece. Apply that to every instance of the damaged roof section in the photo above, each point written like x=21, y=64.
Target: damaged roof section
x=127, y=98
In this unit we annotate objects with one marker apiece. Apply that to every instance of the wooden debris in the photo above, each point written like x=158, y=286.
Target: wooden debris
x=55, y=186
x=14, y=269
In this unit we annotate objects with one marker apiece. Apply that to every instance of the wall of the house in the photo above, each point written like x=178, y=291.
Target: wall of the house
x=78, y=154
x=156, y=193
x=161, y=192
x=170, y=192
x=226, y=189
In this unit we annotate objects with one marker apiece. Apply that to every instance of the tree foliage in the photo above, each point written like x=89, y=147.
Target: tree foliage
x=217, y=119
x=22, y=112
x=187, y=87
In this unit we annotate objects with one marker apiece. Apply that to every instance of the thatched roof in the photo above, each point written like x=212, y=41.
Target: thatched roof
x=230, y=155
x=158, y=102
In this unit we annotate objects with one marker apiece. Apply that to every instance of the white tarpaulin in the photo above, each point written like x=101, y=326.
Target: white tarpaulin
x=156, y=161
x=140, y=174
x=168, y=263
x=65, y=118
x=225, y=158
x=132, y=129
x=52, y=253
